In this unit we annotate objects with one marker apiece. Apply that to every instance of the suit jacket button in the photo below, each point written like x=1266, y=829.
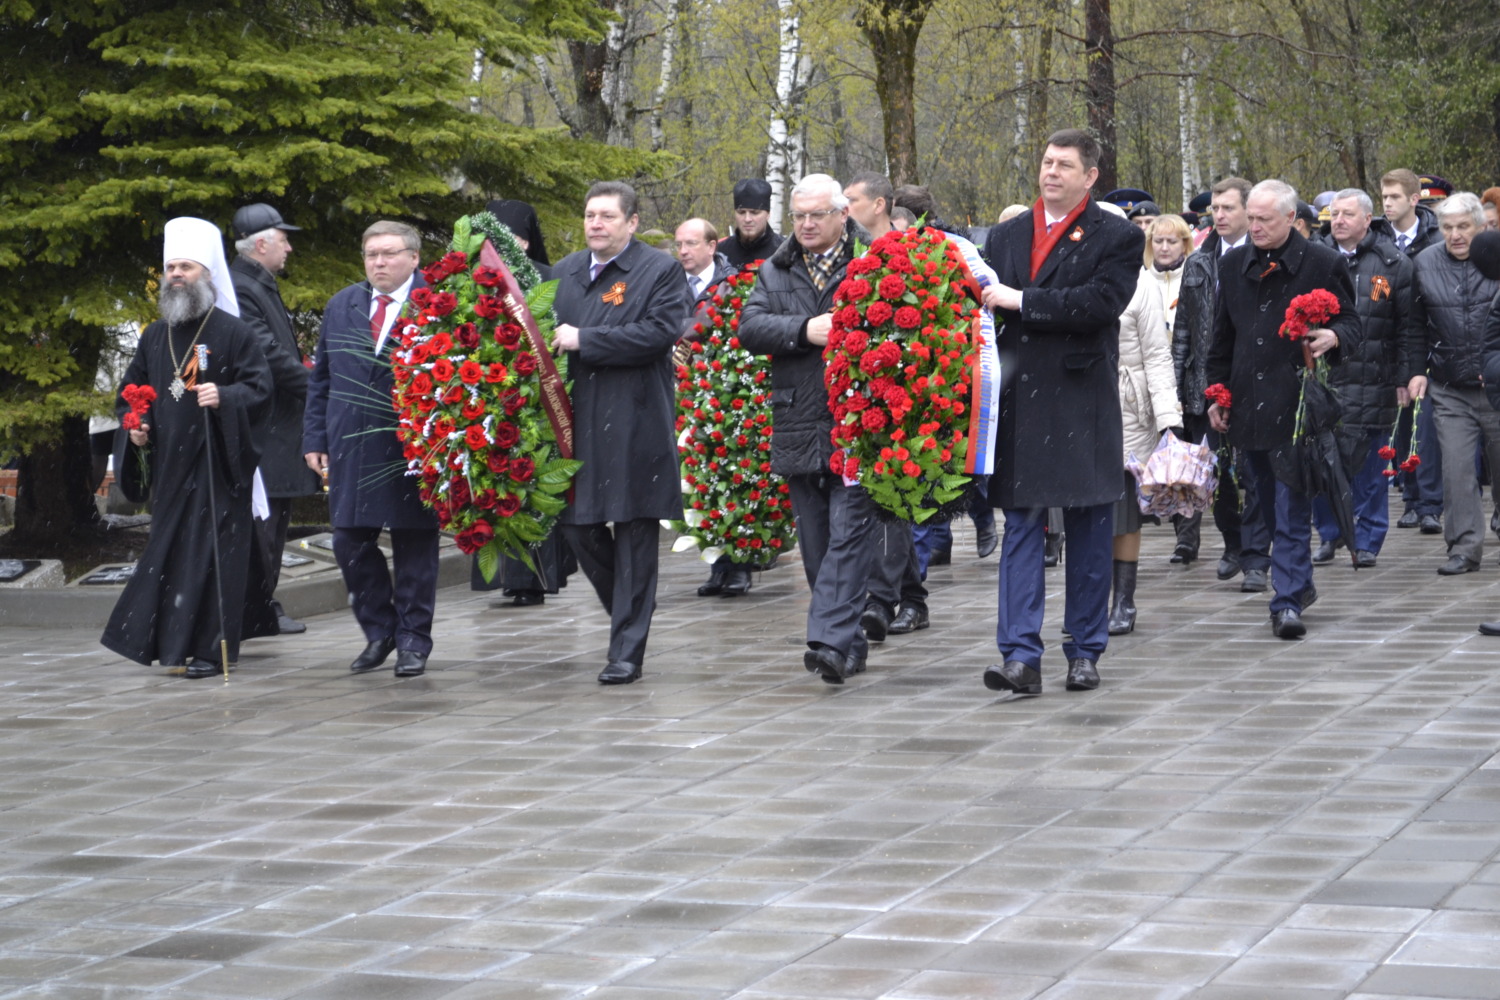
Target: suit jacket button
x=1025, y=377
x=1260, y=376
x=1025, y=339
x=1260, y=340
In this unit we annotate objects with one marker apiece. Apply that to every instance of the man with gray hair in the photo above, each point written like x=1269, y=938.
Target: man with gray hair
x=263, y=247
x=1367, y=379
x=1260, y=369
x=1444, y=366
x=788, y=317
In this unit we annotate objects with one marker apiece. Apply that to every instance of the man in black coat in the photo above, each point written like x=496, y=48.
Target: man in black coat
x=263, y=247
x=1246, y=546
x=753, y=238
x=620, y=308
x=1367, y=379
x=349, y=433
x=1066, y=270
x=1260, y=369
x=788, y=317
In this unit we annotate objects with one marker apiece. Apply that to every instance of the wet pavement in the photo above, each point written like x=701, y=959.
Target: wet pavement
x=1229, y=816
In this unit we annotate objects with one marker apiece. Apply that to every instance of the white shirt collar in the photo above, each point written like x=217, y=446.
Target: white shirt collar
x=1225, y=246
x=706, y=275
x=398, y=299
x=1411, y=234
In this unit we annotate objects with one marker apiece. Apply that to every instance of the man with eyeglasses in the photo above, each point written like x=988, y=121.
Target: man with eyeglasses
x=348, y=438
x=620, y=308
x=788, y=318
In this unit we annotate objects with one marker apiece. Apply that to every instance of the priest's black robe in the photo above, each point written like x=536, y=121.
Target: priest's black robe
x=169, y=611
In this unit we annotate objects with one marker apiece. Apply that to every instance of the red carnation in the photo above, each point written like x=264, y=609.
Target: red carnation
x=1411, y=463
x=836, y=462
x=900, y=263
x=1387, y=452
x=131, y=421
x=855, y=341
x=892, y=287
x=911, y=468
x=1218, y=395
x=908, y=318
x=856, y=289
x=872, y=419
x=879, y=313
x=846, y=317
x=489, y=307
x=506, y=434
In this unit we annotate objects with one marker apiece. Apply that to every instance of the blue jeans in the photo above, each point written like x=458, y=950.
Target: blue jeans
x=1371, y=510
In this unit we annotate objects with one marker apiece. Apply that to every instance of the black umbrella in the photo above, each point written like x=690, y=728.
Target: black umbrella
x=1312, y=462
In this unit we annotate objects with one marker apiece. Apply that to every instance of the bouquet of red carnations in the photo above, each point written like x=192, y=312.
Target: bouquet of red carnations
x=901, y=360
x=482, y=411
x=735, y=505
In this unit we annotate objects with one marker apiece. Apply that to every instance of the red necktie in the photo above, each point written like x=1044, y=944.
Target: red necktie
x=377, y=321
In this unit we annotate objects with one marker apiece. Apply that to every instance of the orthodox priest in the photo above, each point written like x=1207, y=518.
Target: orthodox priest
x=195, y=442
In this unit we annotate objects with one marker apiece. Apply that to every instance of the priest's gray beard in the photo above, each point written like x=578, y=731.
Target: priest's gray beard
x=180, y=303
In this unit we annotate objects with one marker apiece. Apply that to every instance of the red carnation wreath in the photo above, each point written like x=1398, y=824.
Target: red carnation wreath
x=900, y=366
x=735, y=505
x=477, y=398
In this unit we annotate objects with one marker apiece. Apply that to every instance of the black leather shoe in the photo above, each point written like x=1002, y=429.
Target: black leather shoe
x=1183, y=555
x=985, y=542
x=374, y=655
x=943, y=556
x=1407, y=520
x=528, y=598
x=714, y=585
x=1364, y=558
x=853, y=665
x=875, y=621
x=1325, y=551
x=410, y=664
x=1456, y=565
x=1430, y=524
x=1489, y=628
x=620, y=672
x=1052, y=551
x=827, y=663
x=1255, y=582
x=1228, y=568
x=1015, y=676
x=1287, y=624
x=1082, y=675
x=1495, y=521
x=287, y=625
x=911, y=618
x=737, y=581
x=200, y=668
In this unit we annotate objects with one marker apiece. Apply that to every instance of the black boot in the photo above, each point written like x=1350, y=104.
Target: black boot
x=1122, y=611
x=1188, y=532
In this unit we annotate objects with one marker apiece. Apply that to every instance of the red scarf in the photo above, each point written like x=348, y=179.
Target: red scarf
x=1041, y=242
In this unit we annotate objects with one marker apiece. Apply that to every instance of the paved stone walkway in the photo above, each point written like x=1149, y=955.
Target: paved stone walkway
x=1230, y=816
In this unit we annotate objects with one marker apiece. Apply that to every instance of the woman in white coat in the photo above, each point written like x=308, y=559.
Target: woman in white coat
x=1148, y=399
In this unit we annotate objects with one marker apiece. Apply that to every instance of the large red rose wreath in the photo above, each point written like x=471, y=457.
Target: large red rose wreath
x=900, y=359
x=470, y=398
x=735, y=505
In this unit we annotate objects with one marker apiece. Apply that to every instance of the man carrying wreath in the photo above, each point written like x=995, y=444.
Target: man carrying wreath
x=1066, y=270
x=1257, y=283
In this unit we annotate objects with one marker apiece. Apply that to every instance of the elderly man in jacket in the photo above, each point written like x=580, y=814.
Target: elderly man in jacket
x=1367, y=379
x=620, y=307
x=1065, y=271
x=788, y=317
x=1444, y=368
x=1260, y=368
x=262, y=248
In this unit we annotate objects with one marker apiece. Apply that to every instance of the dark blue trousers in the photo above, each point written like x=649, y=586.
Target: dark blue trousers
x=1023, y=589
x=1424, y=490
x=1286, y=518
x=396, y=602
x=1372, y=516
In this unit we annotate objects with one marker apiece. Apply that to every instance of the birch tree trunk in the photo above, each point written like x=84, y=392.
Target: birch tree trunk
x=675, y=12
x=1019, y=159
x=778, y=161
x=1187, y=121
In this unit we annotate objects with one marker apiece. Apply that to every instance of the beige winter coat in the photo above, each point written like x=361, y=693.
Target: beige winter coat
x=1148, y=389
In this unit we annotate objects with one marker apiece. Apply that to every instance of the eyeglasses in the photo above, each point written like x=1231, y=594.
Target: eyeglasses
x=800, y=217
x=385, y=254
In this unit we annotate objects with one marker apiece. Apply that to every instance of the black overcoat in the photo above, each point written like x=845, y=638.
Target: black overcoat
x=351, y=417
x=1059, y=442
x=624, y=386
x=282, y=468
x=169, y=611
x=1257, y=365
